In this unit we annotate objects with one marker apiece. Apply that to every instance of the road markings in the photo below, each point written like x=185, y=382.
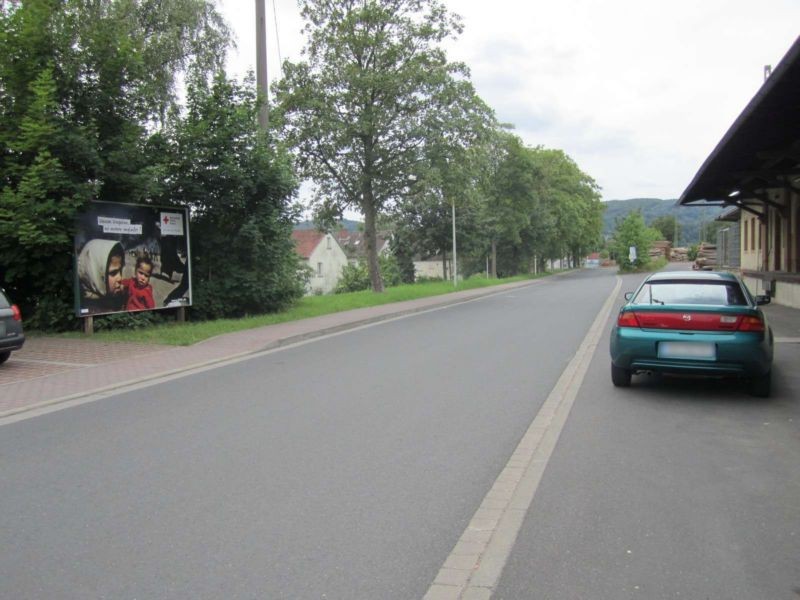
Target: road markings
x=474, y=566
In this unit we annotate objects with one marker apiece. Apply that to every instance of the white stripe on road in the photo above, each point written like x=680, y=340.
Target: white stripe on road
x=474, y=566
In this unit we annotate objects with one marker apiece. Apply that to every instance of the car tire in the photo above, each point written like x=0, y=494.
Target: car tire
x=620, y=377
x=4, y=357
x=761, y=385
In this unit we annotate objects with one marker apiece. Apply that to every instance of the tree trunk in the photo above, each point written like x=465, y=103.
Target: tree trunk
x=494, y=259
x=372, y=246
x=444, y=265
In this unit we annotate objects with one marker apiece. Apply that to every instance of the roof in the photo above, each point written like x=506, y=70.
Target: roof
x=354, y=243
x=761, y=146
x=731, y=213
x=692, y=275
x=306, y=240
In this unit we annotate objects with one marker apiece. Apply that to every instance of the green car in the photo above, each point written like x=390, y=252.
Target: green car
x=698, y=323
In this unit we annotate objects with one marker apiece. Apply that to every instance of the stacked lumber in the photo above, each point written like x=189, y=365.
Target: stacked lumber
x=679, y=254
x=706, y=257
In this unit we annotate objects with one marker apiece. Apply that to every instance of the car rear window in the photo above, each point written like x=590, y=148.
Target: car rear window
x=719, y=293
x=4, y=303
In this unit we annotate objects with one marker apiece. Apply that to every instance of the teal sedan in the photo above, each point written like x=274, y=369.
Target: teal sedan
x=693, y=323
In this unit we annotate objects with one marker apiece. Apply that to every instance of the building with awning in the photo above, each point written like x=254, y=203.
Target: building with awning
x=756, y=168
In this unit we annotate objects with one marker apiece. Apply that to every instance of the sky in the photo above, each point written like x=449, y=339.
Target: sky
x=637, y=92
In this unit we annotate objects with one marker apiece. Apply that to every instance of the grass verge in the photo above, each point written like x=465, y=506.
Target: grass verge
x=185, y=334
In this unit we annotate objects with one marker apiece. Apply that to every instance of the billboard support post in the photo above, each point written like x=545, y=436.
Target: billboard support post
x=88, y=325
x=180, y=317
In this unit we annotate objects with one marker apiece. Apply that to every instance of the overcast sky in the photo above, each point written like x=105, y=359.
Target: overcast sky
x=637, y=92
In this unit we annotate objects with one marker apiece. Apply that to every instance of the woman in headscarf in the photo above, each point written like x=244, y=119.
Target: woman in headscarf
x=100, y=266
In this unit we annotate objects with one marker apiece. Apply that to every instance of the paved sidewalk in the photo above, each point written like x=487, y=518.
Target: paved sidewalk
x=52, y=370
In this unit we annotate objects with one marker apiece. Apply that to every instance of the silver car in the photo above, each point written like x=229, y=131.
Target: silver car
x=11, y=336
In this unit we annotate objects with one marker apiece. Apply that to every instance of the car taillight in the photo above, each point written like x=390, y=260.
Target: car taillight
x=16, y=312
x=751, y=323
x=627, y=319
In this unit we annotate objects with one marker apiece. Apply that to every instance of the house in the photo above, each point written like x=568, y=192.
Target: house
x=756, y=168
x=354, y=244
x=324, y=256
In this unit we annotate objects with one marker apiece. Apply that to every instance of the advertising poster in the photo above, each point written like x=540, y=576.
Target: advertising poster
x=131, y=257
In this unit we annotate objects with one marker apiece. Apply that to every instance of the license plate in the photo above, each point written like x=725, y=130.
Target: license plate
x=695, y=350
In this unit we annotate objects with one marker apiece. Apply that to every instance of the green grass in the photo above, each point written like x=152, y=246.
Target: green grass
x=185, y=334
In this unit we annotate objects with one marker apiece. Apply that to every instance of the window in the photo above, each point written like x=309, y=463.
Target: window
x=745, y=245
x=752, y=234
x=319, y=269
x=692, y=292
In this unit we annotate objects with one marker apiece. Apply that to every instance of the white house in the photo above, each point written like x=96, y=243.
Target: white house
x=324, y=256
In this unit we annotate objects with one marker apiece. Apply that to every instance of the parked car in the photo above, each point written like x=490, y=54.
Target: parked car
x=703, y=323
x=11, y=335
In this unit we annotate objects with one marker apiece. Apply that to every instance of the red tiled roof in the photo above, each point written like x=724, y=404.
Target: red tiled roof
x=306, y=240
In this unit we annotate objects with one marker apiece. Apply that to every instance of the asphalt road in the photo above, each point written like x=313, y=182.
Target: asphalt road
x=343, y=468
x=348, y=468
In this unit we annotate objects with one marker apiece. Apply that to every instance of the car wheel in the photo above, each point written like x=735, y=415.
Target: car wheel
x=620, y=377
x=4, y=357
x=761, y=386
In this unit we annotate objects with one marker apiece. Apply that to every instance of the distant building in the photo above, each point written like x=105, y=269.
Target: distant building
x=323, y=255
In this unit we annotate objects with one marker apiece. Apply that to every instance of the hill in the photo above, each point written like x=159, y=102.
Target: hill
x=345, y=223
x=689, y=218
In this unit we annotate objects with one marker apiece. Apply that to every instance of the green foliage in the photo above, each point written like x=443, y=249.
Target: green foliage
x=689, y=219
x=633, y=232
x=692, y=253
x=82, y=86
x=239, y=188
x=360, y=110
x=355, y=277
x=129, y=321
x=668, y=226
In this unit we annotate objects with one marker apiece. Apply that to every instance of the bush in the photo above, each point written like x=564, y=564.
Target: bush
x=128, y=320
x=355, y=278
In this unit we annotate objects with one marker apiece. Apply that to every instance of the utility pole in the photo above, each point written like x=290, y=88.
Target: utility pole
x=261, y=64
x=455, y=263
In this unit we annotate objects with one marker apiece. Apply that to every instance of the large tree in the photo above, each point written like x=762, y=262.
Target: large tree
x=358, y=109
x=239, y=187
x=82, y=86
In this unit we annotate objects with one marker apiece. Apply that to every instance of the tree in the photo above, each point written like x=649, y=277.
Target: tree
x=357, y=110
x=668, y=226
x=239, y=187
x=633, y=232
x=82, y=87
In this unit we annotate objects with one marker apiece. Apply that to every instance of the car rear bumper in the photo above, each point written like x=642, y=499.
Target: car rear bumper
x=12, y=342
x=737, y=353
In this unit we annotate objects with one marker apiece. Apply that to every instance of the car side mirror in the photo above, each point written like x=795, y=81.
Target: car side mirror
x=628, y=296
x=765, y=299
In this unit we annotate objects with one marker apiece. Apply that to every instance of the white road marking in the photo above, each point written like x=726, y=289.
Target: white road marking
x=475, y=564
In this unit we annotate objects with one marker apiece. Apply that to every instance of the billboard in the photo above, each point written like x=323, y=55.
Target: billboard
x=131, y=257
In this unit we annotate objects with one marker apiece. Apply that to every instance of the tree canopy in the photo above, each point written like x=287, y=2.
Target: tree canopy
x=375, y=91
